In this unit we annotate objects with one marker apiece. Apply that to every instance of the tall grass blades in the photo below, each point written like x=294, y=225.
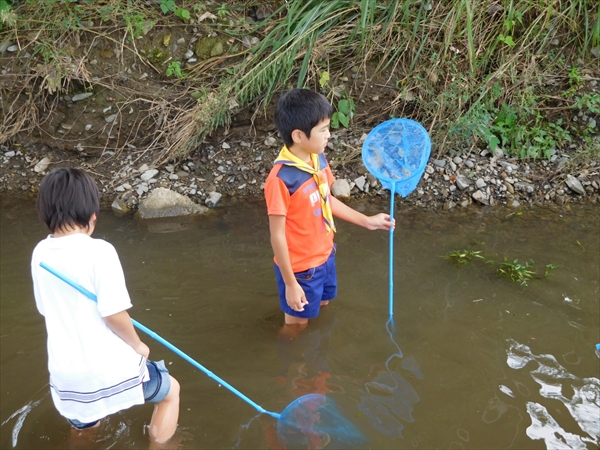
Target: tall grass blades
x=461, y=67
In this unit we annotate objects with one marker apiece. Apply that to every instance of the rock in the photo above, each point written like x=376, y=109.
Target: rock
x=207, y=47
x=498, y=152
x=162, y=202
x=82, y=96
x=575, y=185
x=480, y=183
x=360, y=182
x=462, y=182
x=480, y=197
x=212, y=199
x=513, y=203
x=341, y=188
x=119, y=207
x=457, y=160
x=449, y=205
x=148, y=174
x=271, y=142
x=111, y=118
x=508, y=165
x=440, y=162
x=509, y=187
x=42, y=165
x=524, y=187
x=373, y=182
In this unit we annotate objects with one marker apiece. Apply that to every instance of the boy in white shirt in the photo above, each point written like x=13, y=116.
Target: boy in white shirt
x=98, y=365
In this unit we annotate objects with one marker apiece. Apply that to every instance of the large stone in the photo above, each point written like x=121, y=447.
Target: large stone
x=163, y=202
x=575, y=185
x=340, y=188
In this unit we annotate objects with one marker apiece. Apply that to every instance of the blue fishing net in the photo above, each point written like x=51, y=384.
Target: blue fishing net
x=396, y=153
x=313, y=421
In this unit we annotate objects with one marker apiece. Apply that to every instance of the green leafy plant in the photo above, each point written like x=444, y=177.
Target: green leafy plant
x=461, y=257
x=589, y=101
x=344, y=113
x=223, y=10
x=549, y=269
x=323, y=78
x=6, y=15
x=516, y=272
x=508, y=40
x=174, y=70
x=136, y=24
x=575, y=79
x=168, y=6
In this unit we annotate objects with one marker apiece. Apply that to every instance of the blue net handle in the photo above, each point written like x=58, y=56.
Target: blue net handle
x=396, y=153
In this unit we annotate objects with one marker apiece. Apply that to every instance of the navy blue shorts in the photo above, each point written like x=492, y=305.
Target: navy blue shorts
x=155, y=389
x=318, y=283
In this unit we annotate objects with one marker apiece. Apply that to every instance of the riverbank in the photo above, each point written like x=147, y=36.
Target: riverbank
x=235, y=165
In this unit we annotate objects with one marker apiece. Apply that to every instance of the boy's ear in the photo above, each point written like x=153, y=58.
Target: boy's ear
x=298, y=136
x=93, y=218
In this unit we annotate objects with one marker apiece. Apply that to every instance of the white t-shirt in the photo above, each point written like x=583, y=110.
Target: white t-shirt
x=93, y=372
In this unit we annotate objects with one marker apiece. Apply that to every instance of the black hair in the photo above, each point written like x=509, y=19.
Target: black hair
x=300, y=109
x=67, y=197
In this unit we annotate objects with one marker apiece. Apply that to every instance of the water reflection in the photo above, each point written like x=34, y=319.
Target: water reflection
x=389, y=396
x=313, y=419
x=209, y=289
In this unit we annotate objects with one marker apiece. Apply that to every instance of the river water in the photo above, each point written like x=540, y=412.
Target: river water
x=473, y=361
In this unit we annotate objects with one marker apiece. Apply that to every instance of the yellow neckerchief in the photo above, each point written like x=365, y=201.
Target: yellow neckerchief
x=289, y=159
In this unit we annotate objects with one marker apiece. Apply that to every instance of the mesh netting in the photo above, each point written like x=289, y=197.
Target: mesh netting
x=396, y=152
x=313, y=421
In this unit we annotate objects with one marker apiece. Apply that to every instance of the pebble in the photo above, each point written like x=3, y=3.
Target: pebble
x=83, y=96
x=148, y=174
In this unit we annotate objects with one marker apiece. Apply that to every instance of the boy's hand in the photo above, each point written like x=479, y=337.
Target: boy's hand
x=295, y=297
x=142, y=349
x=380, y=221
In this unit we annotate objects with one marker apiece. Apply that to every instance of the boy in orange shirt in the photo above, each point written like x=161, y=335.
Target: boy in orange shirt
x=301, y=208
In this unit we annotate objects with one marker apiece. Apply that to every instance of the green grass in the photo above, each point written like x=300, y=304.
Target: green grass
x=480, y=69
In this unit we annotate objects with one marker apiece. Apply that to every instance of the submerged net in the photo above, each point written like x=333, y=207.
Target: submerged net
x=396, y=152
x=313, y=421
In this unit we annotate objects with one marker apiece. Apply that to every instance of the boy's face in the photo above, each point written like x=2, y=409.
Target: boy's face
x=319, y=136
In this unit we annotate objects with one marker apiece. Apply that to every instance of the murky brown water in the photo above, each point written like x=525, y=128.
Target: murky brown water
x=475, y=361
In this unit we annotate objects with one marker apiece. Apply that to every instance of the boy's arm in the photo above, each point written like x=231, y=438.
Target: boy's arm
x=294, y=294
x=120, y=323
x=379, y=221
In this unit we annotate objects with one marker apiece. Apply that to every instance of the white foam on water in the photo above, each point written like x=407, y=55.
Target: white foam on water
x=584, y=405
x=506, y=390
x=22, y=414
x=544, y=427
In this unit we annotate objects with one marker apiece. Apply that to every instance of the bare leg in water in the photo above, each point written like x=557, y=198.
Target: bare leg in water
x=164, y=418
